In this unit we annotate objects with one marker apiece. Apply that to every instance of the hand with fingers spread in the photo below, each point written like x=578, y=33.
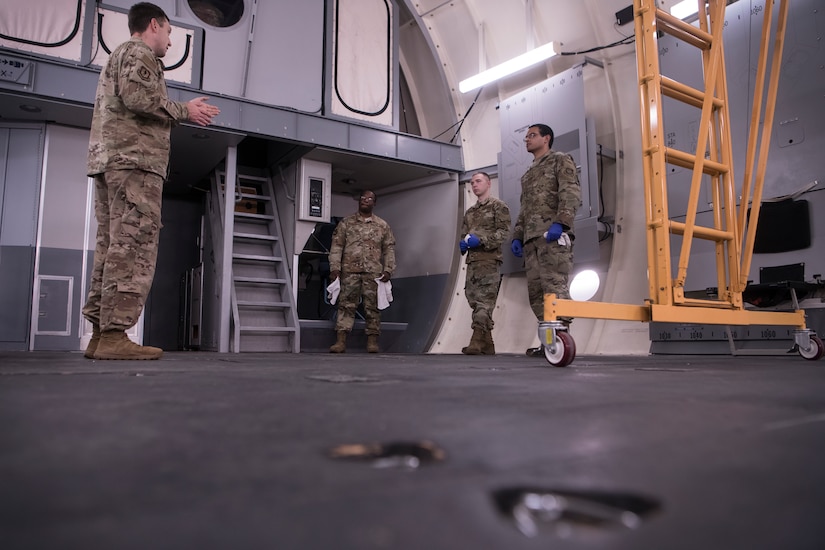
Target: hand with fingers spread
x=201, y=112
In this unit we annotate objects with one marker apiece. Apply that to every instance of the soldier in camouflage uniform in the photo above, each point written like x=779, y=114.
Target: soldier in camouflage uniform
x=543, y=235
x=484, y=228
x=363, y=250
x=128, y=158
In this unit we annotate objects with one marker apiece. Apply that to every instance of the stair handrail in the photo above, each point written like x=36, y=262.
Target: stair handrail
x=228, y=314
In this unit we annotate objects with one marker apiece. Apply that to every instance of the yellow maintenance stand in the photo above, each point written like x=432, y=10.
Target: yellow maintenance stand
x=733, y=236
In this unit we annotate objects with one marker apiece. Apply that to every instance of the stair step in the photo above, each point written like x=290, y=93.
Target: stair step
x=255, y=237
x=259, y=217
x=260, y=280
x=255, y=258
x=263, y=305
x=264, y=330
x=253, y=196
x=249, y=177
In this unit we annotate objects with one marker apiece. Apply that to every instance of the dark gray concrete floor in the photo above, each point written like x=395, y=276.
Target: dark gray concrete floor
x=204, y=450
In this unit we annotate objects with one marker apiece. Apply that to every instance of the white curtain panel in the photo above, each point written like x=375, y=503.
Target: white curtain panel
x=362, y=60
x=48, y=27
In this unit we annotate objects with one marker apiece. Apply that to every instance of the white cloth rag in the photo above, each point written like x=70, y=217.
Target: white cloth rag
x=564, y=240
x=333, y=290
x=384, y=293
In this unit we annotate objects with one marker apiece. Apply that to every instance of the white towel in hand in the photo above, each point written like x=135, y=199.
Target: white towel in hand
x=384, y=293
x=564, y=240
x=333, y=290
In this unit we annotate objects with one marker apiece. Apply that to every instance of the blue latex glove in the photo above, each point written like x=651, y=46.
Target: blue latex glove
x=473, y=241
x=517, y=248
x=553, y=233
x=463, y=246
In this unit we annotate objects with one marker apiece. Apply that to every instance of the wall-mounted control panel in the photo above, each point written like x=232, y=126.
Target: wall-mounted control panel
x=314, y=191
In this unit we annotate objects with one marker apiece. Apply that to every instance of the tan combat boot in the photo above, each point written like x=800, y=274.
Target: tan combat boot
x=340, y=346
x=114, y=344
x=475, y=343
x=372, y=343
x=92, y=347
x=487, y=345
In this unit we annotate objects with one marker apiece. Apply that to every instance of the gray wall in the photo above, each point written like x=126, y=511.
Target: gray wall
x=425, y=250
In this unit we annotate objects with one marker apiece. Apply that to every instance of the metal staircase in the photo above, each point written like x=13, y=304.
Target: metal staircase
x=262, y=306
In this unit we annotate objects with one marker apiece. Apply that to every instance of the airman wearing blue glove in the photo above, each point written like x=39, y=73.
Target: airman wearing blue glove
x=550, y=197
x=470, y=241
x=485, y=227
x=517, y=247
x=553, y=233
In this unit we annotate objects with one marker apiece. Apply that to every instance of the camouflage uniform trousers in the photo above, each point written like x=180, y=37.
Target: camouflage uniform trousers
x=127, y=207
x=481, y=290
x=355, y=286
x=548, y=266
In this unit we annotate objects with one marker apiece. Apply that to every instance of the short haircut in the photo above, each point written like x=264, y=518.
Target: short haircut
x=373, y=195
x=141, y=14
x=485, y=174
x=545, y=130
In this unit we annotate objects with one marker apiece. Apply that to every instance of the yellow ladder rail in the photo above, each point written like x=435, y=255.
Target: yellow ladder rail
x=767, y=127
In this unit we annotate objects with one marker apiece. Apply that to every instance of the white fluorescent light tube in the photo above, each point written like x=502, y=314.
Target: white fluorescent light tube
x=507, y=68
x=685, y=9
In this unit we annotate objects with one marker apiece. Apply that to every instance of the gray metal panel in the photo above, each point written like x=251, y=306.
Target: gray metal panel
x=320, y=131
x=451, y=157
x=60, y=264
x=20, y=200
x=16, y=276
x=417, y=218
x=411, y=148
x=64, y=193
x=259, y=119
x=752, y=339
x=280, y=26
x=372, y=141
x=78, y=88
x=54, y=305
x=586, y=247
x=66, y=83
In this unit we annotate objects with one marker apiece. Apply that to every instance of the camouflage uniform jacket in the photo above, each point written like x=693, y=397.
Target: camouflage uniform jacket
x=550, y=193
x=133, y=115
x=362, y=245
x=489, y=220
